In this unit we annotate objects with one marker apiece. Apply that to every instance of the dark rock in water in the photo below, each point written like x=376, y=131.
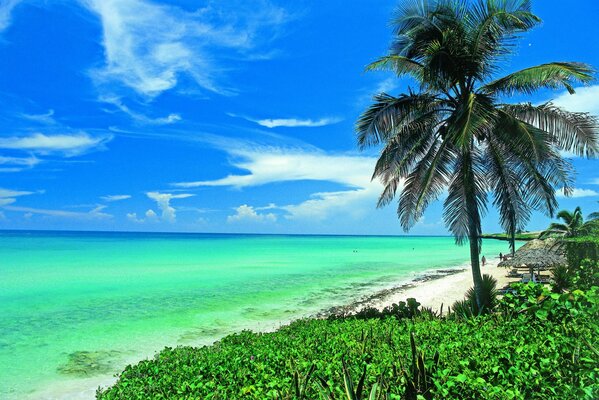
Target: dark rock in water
x=88, y=363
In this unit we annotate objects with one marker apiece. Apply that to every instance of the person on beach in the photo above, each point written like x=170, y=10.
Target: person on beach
x=484, y=261
x=500, y=256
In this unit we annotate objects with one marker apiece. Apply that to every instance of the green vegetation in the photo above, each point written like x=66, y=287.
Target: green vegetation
x=573, y=223
x=456, y=132
x=517, y=236
x=538, y=345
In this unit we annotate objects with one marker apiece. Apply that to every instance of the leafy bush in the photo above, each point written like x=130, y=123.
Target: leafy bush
x=400, y=311
x=541, y=345
x=469, y=307
x=562, y=278
x=586, y=276
x=577, y=249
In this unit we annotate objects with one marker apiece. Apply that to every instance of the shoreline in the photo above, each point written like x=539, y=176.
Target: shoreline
x=431, y=288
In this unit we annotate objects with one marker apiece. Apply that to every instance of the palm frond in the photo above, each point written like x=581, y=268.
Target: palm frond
x=466, y=202
x=492, y=28
x=533, y=159
x=398, y=64
x=388, y=115
x=471, y=119
x=572, y=131
x=425, y=183
x=507, y=187
x=401, y=154
x=554, y=75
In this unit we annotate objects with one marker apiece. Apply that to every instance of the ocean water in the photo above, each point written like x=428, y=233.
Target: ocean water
x=76, y=308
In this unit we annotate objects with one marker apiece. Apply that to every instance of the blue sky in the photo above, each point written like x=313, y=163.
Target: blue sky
x=220, y=116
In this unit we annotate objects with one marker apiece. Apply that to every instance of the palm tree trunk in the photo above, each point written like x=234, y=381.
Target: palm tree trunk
x=513, y=243
x=474, y=230
x=474, y=261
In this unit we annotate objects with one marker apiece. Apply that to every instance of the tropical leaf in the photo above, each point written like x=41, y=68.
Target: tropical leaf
x=571, y=131
x=388, y=115
x=556, y=75
x=424, y=184
x=398, y=64
x=466, y=201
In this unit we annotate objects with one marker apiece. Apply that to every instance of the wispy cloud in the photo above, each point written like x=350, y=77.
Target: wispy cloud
x=65, y=144
x=387, y=85
x=45, y=118
x=8, y=196
x=163, y=201
x=291, y=122
x=578, y=192
x=245, y=213
x=271, y=164
x=95, y=213
x=6, y=8
x=139, y=117
x=16, y=164
x=267, y=165
x=116, y=197
x=148, y=46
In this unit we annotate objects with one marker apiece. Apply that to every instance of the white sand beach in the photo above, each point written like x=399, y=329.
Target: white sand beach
x=445, y=290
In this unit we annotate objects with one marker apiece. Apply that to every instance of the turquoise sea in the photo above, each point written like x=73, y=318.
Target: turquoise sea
x=76, y=308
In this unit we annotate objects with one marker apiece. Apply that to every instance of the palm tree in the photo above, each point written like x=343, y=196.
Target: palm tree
x=594, y=216
x=573, y=222
x=455, y=132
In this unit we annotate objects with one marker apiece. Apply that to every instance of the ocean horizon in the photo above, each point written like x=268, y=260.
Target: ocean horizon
x=77, y=307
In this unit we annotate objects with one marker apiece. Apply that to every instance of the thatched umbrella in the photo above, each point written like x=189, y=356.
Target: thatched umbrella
x=534, y=258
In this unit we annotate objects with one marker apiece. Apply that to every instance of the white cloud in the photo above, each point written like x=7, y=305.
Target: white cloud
x=148, y=46
x=245, y=213
x=13, y=193
x=292, y=122
x=151, y=214
x=594, y=181
x=586, y=99
x=6, y=201
x=163, y=201
x=66, y=144
x=577, y=192
x=269, y=165
x=8, y=196
x=6, y=8
x=387, y=85
x=95, y=213
x=139, y=117
x=46, y=118
x=133, y=217
x=116, y=197
x=16, y=164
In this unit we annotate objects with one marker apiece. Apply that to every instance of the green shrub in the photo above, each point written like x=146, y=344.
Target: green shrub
x=577, y=249
x=586, y=275
x=468, y=307
x=399, y=310
x=540, y=345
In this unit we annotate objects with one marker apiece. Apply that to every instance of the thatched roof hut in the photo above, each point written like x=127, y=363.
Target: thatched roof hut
x=535, y=258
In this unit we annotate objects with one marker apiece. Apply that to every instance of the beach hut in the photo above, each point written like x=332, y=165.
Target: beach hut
x=534, y=261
